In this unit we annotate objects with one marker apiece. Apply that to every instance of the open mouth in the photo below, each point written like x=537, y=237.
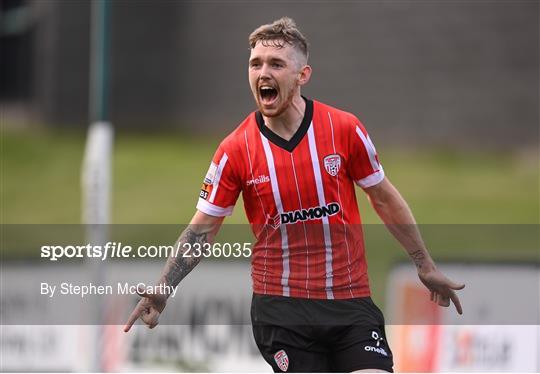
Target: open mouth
x=268, y=94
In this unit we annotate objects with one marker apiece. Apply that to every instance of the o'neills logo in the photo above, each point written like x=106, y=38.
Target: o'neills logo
x=294, y=216
x=260, y=179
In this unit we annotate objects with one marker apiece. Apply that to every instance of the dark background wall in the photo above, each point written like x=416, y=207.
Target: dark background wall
x=415, y=72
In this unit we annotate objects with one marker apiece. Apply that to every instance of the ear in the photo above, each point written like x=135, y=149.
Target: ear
x=305, y=74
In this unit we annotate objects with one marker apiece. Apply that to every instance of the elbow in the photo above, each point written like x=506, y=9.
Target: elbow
x=378, y=203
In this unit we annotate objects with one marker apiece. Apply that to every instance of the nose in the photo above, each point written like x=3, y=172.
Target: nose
x=265, y=71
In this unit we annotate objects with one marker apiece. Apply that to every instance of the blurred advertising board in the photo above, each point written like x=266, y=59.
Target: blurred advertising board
x=498, y=332
x=204, y=328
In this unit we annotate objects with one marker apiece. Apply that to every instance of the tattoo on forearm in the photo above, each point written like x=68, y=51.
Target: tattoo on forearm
x=418, y=258
x=178, y=266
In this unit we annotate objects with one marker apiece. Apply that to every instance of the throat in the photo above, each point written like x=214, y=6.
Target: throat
x=288, y=123
x=283, y=129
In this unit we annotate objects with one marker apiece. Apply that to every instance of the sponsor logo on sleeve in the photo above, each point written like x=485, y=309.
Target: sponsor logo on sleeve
x=210, y=174
x=205, y=191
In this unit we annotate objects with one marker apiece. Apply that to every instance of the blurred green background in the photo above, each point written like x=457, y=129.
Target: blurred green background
x=447, y=90
x=156, y=179
x=471, y=205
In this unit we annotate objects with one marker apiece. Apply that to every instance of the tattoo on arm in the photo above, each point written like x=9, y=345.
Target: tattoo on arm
x=178, y=266
x=418, y=258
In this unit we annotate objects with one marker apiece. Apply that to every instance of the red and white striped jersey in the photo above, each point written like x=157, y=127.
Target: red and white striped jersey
x=300, y=200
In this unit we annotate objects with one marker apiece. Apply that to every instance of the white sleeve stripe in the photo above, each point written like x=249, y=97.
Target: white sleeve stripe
x=214, y=210
x=220, y=168
x=371, y=180
x=370, y=149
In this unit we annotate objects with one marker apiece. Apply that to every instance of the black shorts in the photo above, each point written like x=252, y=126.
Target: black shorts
x=307, y=335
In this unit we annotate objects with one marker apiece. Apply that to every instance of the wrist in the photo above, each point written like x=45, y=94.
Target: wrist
x=422, y=260
x=165, y=288
x=426, y=266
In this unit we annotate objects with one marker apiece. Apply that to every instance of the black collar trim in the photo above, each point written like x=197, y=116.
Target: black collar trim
x=288, y=145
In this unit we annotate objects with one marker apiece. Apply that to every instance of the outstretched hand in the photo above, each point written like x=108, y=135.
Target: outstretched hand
x=442, y=289
x=147, y=309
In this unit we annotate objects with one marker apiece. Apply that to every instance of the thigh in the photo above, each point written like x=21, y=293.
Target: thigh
x=289, y=349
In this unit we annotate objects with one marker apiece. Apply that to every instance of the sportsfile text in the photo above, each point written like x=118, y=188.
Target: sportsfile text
x=119, y=250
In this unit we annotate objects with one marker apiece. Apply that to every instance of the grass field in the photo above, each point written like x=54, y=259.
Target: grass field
x=157, y=178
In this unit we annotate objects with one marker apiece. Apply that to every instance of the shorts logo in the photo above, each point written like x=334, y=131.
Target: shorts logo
x=380, y=351
x=376, y=337
x=332, y=164
x=282, y=360
x=210, y=174
x=379, y=340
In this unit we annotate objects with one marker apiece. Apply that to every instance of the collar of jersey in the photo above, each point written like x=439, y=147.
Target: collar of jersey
x=288, y=145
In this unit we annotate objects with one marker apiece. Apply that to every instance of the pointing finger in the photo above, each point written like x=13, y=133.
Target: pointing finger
x=455, y=300
x=134, y=316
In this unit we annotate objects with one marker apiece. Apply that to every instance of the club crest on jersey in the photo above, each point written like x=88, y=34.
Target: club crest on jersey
x=282, y=360
x=332, y=164
x=317, y=212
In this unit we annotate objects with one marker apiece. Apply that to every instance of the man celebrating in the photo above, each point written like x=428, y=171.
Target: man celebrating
x=296, y=162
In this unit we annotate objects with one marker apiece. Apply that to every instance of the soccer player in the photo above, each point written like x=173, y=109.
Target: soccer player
x=296, y=162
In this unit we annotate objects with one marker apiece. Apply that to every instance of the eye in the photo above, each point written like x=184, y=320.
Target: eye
x=277, y=65
x=254, y=64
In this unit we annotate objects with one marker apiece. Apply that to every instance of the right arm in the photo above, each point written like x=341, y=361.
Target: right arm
x=202, y=229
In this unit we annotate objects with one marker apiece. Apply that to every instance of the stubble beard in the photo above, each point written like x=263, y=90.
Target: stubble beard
x=281, y=109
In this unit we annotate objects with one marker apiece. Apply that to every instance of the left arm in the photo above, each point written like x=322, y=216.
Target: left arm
x=397, y=216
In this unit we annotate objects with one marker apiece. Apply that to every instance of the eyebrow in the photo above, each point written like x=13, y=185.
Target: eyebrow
x=272, y=59
x=275, y=59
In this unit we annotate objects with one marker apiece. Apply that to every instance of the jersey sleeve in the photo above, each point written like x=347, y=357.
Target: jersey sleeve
x=364, y=166
x=220, y=187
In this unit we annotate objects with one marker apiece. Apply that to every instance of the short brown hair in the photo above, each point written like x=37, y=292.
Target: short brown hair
x=278, y=33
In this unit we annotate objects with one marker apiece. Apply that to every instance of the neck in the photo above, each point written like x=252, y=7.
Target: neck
x=286, y=124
